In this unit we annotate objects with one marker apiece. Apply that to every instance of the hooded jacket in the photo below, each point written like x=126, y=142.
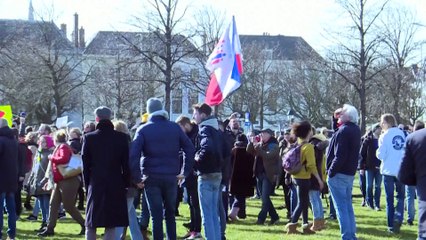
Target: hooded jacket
x=390, y=151
x=210, y=147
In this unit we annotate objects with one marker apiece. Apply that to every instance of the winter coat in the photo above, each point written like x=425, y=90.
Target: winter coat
x=8, y=161
x=106, y=176
x=39, y=171
x=343, y=152
x=269, y=154
x=156, y=148
x=61, y=156
x=320, y=144
x=210, y=147
x=191, y=179
x=242, y=181
x=368, y=159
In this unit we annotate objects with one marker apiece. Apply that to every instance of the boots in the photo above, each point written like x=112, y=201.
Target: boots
x=292, y=228
x=234, y=213
x=42, y=228
x=307, y=229
x=318, y=225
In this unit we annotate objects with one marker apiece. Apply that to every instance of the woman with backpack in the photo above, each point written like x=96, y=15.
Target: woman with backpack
x=302, y=177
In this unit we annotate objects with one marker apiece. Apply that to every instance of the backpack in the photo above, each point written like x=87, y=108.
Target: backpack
x=292, y=163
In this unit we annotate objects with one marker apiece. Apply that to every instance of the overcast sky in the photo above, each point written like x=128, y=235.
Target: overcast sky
x=305, y=18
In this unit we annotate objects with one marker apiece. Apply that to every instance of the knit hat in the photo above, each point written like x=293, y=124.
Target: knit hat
x=267, y=130
x=103, y=113
x=153, y=105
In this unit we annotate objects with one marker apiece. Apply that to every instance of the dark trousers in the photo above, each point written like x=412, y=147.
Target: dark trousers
x=18, y=199
x=194, y=208
x=287, y=198
x=302, y=186
x=363, y=185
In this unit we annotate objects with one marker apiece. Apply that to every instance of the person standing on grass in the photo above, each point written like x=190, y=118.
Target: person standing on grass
x=413, y=173
x=8, y=177
x=302, y=179
x=154, y=157
x=342, y=161
x=371, y=164
x=209, y=157
x=267, y=169
x=390, y=152
x=106, y=172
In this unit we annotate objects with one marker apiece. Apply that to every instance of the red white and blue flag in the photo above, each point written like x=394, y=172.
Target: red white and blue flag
x=225, y=66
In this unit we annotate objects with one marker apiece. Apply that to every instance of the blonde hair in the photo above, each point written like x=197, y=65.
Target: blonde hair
x=77, y=131
x=61, y=136
x=31, y=137
x=121, y=126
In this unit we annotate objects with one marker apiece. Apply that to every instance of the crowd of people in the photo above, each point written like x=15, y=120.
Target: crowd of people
x=216, y=165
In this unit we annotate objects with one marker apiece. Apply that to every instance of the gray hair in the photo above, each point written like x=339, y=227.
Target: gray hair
x=4, y=122
x=351, y=112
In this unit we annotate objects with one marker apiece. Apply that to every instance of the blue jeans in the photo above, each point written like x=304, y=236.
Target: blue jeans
x=267, y=206
x=373, y=176
x=8, y=200
x=222, y=211
x=341, y=191
x=316, y=203
x=394, y=213
x=293, y=197
x=36, y=208
x=135, y=232
x=44, y=206
x=411, y=196
x=362, y=185
x=209, y=193
x=162, y=191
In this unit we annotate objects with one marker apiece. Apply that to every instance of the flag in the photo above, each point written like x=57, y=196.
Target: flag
x=225, y=66
x=6, y=112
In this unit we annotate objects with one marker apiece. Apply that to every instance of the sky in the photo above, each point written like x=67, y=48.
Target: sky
x=306, y=18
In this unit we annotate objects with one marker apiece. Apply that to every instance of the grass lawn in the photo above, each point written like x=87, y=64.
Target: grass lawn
x=371, y=225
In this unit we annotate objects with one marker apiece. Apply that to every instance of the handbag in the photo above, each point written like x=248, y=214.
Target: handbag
x=73, y=168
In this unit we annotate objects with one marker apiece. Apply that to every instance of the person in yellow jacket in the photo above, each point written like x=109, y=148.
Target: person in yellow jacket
x=302, y=180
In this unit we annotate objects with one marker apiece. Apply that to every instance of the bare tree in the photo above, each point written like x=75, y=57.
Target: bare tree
x=355, y=61
x=168, y=46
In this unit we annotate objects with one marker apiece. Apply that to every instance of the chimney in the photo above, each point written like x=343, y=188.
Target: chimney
x=64, y=29
x=76, y=30
x=82, y=42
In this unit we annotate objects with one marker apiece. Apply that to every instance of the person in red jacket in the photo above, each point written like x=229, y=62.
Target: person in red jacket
x=65, y=189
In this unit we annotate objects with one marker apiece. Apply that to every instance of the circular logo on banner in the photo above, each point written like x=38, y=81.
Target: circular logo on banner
x=398, y=142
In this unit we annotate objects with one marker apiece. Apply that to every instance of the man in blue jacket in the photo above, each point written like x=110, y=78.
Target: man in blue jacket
x=155, y=155
x=413, y=172
x=210, y=151
x=342, y=161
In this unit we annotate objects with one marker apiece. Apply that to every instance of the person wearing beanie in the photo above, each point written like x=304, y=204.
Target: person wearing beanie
x=155, y=164
x=105, y=154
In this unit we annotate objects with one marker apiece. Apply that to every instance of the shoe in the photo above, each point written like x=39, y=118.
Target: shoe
x=274, y=222
x=292, y=228
x=194, y=235
x=260, y=223
x=307, y=229
x=363, y=204
x=28, y=207
x=318, y=225
x=242, y=214
x=396, y=226
x=62, y=216
x=234, y=213
x=46, y=233
x=410, y=222
x=81, y=208
x=31, y=218
x=378, y=209
x=42, y=228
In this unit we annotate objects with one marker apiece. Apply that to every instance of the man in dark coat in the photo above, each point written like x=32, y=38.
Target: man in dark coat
x=8, y=176
x=155, y=154
x=413, y=173
x=106, y=175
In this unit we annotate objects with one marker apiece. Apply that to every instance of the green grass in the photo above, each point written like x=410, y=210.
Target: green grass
x=371, y=225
